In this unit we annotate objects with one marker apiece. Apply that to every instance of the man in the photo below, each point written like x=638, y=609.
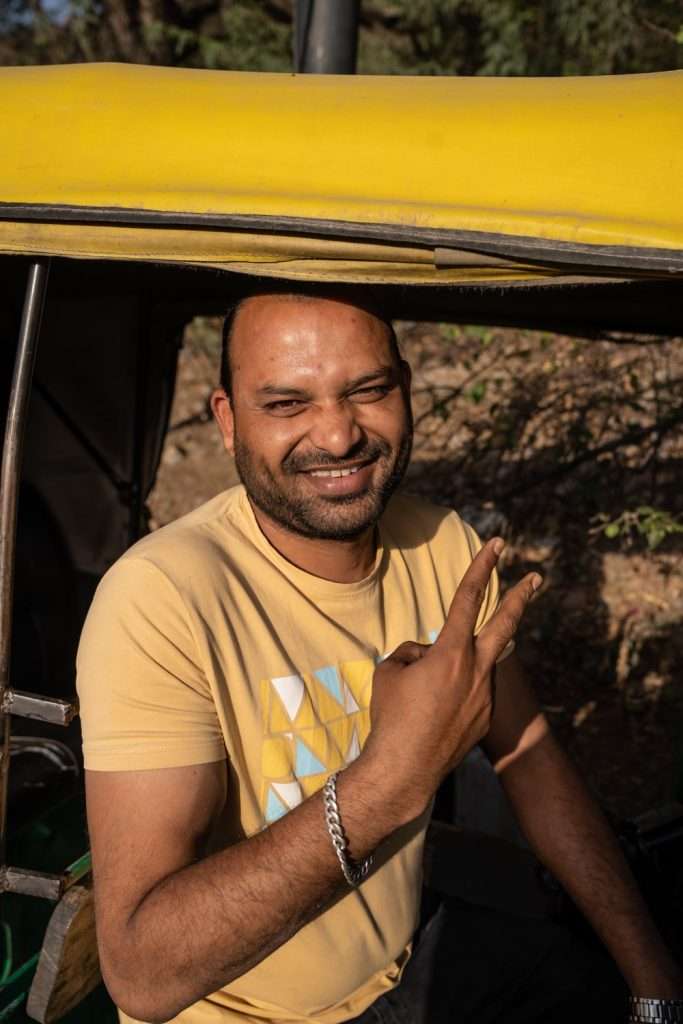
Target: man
x=227, y=673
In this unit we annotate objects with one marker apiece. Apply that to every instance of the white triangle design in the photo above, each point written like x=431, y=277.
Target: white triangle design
x=354, y=748
x=291, y=692
x=290, y=792
x=349, y=700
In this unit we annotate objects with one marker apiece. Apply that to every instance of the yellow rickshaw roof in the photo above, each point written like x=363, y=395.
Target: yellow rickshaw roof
x=401, y=178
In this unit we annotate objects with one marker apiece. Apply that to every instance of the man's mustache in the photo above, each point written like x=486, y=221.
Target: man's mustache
x=320, y=459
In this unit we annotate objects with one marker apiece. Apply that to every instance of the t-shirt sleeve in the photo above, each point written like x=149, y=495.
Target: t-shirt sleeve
x=145, y=701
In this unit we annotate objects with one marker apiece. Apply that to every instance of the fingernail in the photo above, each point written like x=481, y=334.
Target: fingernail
x=536, y=581
x=498, y=545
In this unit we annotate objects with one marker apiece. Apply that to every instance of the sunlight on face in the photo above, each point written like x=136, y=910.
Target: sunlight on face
x=322, y=426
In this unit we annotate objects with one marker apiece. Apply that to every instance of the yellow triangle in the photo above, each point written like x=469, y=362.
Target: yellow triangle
x=312, y=783
x=316, y=740
x=278, y=720
x=306, y=717
x=339, y=734
x=276, y=758
x=328, y=709
x=358, y=675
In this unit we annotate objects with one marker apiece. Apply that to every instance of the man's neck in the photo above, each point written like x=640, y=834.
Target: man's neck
x=340, y=561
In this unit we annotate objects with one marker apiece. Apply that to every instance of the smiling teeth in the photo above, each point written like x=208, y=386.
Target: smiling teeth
x=334, y=472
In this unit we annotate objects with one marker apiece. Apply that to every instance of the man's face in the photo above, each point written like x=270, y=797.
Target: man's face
x=319, y=420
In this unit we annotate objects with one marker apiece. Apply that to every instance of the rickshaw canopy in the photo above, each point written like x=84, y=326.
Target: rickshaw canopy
x=372, y=179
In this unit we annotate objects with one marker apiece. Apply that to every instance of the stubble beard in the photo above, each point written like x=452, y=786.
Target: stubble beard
x=339, y=517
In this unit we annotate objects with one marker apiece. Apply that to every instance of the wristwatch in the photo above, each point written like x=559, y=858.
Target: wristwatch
x=655, y=1011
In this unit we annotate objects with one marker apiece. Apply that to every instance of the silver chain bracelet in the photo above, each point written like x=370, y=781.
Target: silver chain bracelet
x=353, y=873
x=655, y=1011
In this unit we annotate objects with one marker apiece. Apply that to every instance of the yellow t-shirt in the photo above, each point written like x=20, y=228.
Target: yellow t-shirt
x=204, y=643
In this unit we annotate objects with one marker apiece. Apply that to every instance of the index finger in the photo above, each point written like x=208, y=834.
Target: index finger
x=467, y=600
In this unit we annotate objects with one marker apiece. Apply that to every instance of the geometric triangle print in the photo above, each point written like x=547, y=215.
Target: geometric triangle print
x=350, y=705
x=358, y=677
x=274, y=807
x=306, y=761
x=278, y=719
x=329, y=677
x=290, y=792
x=290, y=689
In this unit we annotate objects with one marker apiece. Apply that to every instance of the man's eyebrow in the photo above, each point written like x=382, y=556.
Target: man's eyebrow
x=283, y=390
x=382, y=371
x=277, y=389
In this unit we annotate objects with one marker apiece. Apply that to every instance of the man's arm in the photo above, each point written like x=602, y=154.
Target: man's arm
x=175, y=925
x=570, y=835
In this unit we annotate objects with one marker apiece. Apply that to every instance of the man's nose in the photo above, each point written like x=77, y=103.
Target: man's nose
x=335, y=429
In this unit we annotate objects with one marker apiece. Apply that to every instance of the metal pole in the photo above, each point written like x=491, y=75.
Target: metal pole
x=326, y=36
x=10, y=471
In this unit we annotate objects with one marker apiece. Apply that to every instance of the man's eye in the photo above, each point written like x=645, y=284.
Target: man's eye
x=372, y=394
x=285, y=406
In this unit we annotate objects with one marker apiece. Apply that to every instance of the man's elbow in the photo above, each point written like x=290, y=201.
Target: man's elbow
x=135, y=993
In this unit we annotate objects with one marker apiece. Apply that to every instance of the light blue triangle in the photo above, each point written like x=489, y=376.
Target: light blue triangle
x=433, y=633
x=329, y=677
x=306, y=761
x=275, y=807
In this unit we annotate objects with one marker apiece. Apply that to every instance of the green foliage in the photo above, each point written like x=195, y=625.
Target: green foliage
x=462, y=37
x=477, y=393
x=532, y=37
x=652, y=524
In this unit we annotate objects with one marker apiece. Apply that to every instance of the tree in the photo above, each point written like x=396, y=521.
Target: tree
x=463, y=37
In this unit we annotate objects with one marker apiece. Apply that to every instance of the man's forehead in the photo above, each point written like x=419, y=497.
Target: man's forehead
x=270, y=329
x=281, y=309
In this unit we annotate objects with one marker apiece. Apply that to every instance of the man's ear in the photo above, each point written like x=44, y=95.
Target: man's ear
x=221, y=407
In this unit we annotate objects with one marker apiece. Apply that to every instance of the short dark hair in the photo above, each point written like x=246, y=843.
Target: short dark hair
x=361, y=297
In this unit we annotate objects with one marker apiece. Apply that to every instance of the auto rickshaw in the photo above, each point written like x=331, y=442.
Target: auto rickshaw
x=134, y=198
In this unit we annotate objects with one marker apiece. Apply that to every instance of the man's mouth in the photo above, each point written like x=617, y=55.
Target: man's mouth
x=335, y=472
x=340, y=481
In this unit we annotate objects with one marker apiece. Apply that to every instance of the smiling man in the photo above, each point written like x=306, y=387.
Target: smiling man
x=260, y=765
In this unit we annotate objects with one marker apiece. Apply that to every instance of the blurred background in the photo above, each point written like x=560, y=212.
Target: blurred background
x=397, y=37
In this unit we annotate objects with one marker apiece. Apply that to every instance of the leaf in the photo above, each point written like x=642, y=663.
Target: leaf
x=477, y=392
x=612, y=530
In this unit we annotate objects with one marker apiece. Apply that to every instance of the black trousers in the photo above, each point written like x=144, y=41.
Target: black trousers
x=471, y=964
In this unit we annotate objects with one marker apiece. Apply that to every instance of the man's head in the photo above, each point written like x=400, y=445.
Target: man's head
x=314, y=405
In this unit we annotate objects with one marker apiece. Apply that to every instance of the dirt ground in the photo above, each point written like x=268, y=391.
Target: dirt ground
x=536, y=436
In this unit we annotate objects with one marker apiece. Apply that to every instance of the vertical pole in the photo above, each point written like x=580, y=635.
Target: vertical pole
x=10, y=472
x=326, y=36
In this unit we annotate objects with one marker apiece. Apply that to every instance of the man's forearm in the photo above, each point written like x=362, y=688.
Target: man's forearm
x=570, y=835
x=212, y=921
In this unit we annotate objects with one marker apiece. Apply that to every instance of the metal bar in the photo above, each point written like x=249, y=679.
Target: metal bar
x=31, y=883
x=42, y=709
x=302, y=20
x=15, y=430
x=44, y=885
x=78, y=870
x=328, y=42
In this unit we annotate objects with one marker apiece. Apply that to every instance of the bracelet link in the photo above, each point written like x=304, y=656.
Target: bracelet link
x=655, y=1011
x=353, y=872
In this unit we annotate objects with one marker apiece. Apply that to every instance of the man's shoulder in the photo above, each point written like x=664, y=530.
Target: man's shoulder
x=195, y=541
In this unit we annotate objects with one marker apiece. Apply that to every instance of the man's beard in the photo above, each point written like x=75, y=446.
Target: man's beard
x=320, y=517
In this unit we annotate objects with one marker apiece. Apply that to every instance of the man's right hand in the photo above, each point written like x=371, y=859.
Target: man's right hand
x=431, y=704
